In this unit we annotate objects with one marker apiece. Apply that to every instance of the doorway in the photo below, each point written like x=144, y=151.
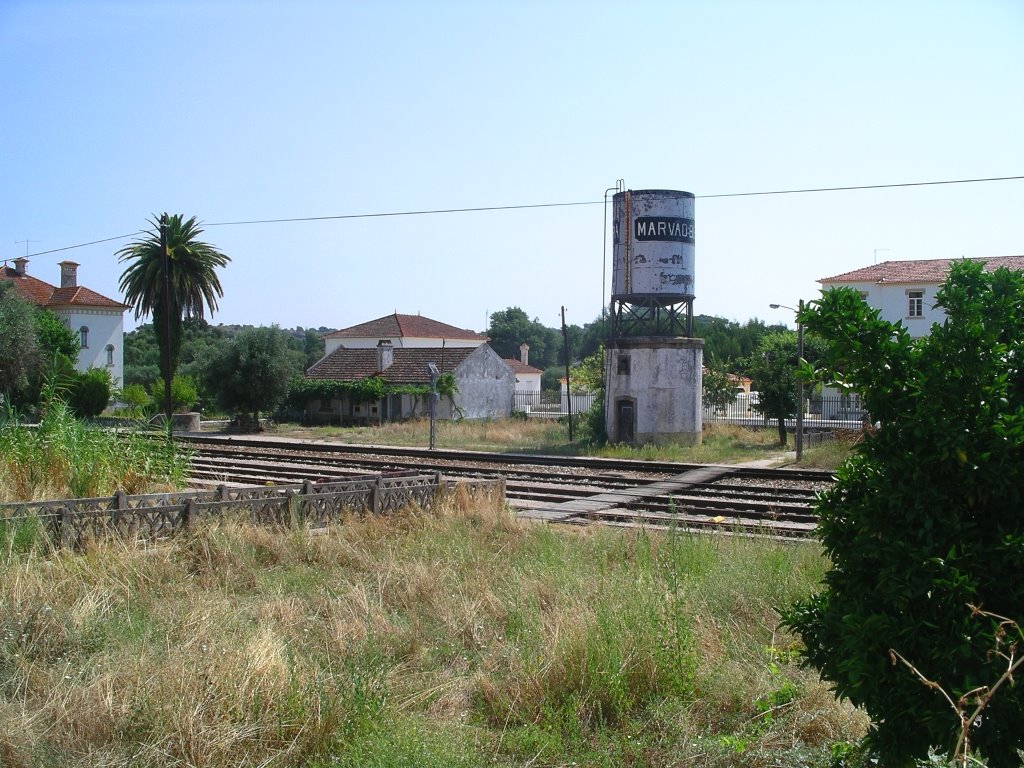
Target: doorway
x=625, y=420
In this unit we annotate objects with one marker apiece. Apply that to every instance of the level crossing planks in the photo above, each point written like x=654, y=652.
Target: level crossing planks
x=604, y=502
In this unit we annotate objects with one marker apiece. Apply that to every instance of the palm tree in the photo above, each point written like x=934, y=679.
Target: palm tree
x=192, y=283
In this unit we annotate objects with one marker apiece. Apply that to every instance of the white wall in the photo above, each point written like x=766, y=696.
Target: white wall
x=662, y=378
x=893, y=302
x=528, y=382
x=485, y=385
x=106, y=327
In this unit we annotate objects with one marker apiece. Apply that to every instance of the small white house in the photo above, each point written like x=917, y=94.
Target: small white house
x=904, y=291
x=96, y=320
x=527, y=377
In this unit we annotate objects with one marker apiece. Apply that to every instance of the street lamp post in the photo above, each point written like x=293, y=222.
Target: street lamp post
x=799, y=381
x=433, y=372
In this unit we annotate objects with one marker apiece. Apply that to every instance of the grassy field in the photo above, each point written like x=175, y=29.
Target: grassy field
x=722, y=444
x=461, y=638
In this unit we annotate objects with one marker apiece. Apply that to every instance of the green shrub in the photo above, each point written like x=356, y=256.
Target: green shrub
x=89, y=393
x=66, y=458
x=138, y=400
x=591, y=430
x=925, y=520
x=184, y=393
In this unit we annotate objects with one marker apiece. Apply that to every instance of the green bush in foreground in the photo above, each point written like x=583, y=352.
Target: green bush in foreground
x=924, y=526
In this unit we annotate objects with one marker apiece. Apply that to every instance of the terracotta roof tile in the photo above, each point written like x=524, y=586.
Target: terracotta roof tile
x=409, y=366
x=42, y=294
x=398, y=326
x=345, y=365
x=518, y=366
x=922, y=271
x=28, y=287
x=82, y=297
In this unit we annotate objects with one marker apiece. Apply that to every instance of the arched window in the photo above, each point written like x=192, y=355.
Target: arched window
x=110, y=355
x=83, y=335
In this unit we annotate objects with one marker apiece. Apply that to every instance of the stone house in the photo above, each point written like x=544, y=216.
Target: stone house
x=399, y=349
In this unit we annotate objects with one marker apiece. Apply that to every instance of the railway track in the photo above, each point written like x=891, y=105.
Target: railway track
x=571, y=490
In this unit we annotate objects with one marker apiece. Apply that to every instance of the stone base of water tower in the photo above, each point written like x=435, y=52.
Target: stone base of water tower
x=653, y=390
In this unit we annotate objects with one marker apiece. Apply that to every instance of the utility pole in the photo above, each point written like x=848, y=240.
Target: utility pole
x=165, y=300
x=799, y=383
x=568, y=392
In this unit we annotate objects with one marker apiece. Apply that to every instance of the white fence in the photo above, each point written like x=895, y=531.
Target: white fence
x=550, y=403
x=820, y=412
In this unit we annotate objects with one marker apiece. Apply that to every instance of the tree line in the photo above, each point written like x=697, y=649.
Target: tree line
x=729, y=348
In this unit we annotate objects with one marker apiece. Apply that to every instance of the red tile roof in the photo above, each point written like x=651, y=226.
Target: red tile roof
x=409, y=366
x=923, y=271
x=42, y=294
x=397, y=326
x=518, y=366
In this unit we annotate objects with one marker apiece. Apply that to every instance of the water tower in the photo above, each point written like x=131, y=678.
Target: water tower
x=652, y=362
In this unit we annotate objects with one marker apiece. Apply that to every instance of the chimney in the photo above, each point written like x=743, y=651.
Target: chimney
x=524, y=353
x=19, y=265
x=385, y=355
x=68, y=274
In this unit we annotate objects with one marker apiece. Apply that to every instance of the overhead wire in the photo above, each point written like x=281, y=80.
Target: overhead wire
x=436, y=211
x=82, y=245
x=864, y=186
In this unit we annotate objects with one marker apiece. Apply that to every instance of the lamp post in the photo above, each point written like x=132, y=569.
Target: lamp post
x=799, y=381
x=433, y=372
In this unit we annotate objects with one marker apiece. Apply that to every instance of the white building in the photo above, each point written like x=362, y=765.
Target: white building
x=96, y=320
x=527, y=377
x=904, y=291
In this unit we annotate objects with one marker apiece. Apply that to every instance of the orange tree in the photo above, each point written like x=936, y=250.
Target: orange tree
x=924, y=523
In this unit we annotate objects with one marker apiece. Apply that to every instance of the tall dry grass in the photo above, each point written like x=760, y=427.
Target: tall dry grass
x=458, y=638
x=63, y=457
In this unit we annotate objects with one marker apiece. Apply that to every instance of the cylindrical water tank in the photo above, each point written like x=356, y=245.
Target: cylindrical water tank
x=652, y=254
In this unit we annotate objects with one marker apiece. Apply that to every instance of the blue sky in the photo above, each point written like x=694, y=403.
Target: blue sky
x=230, y=111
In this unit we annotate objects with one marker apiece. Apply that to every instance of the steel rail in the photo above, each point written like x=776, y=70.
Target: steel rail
x=488, y=457
x=738, y=501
